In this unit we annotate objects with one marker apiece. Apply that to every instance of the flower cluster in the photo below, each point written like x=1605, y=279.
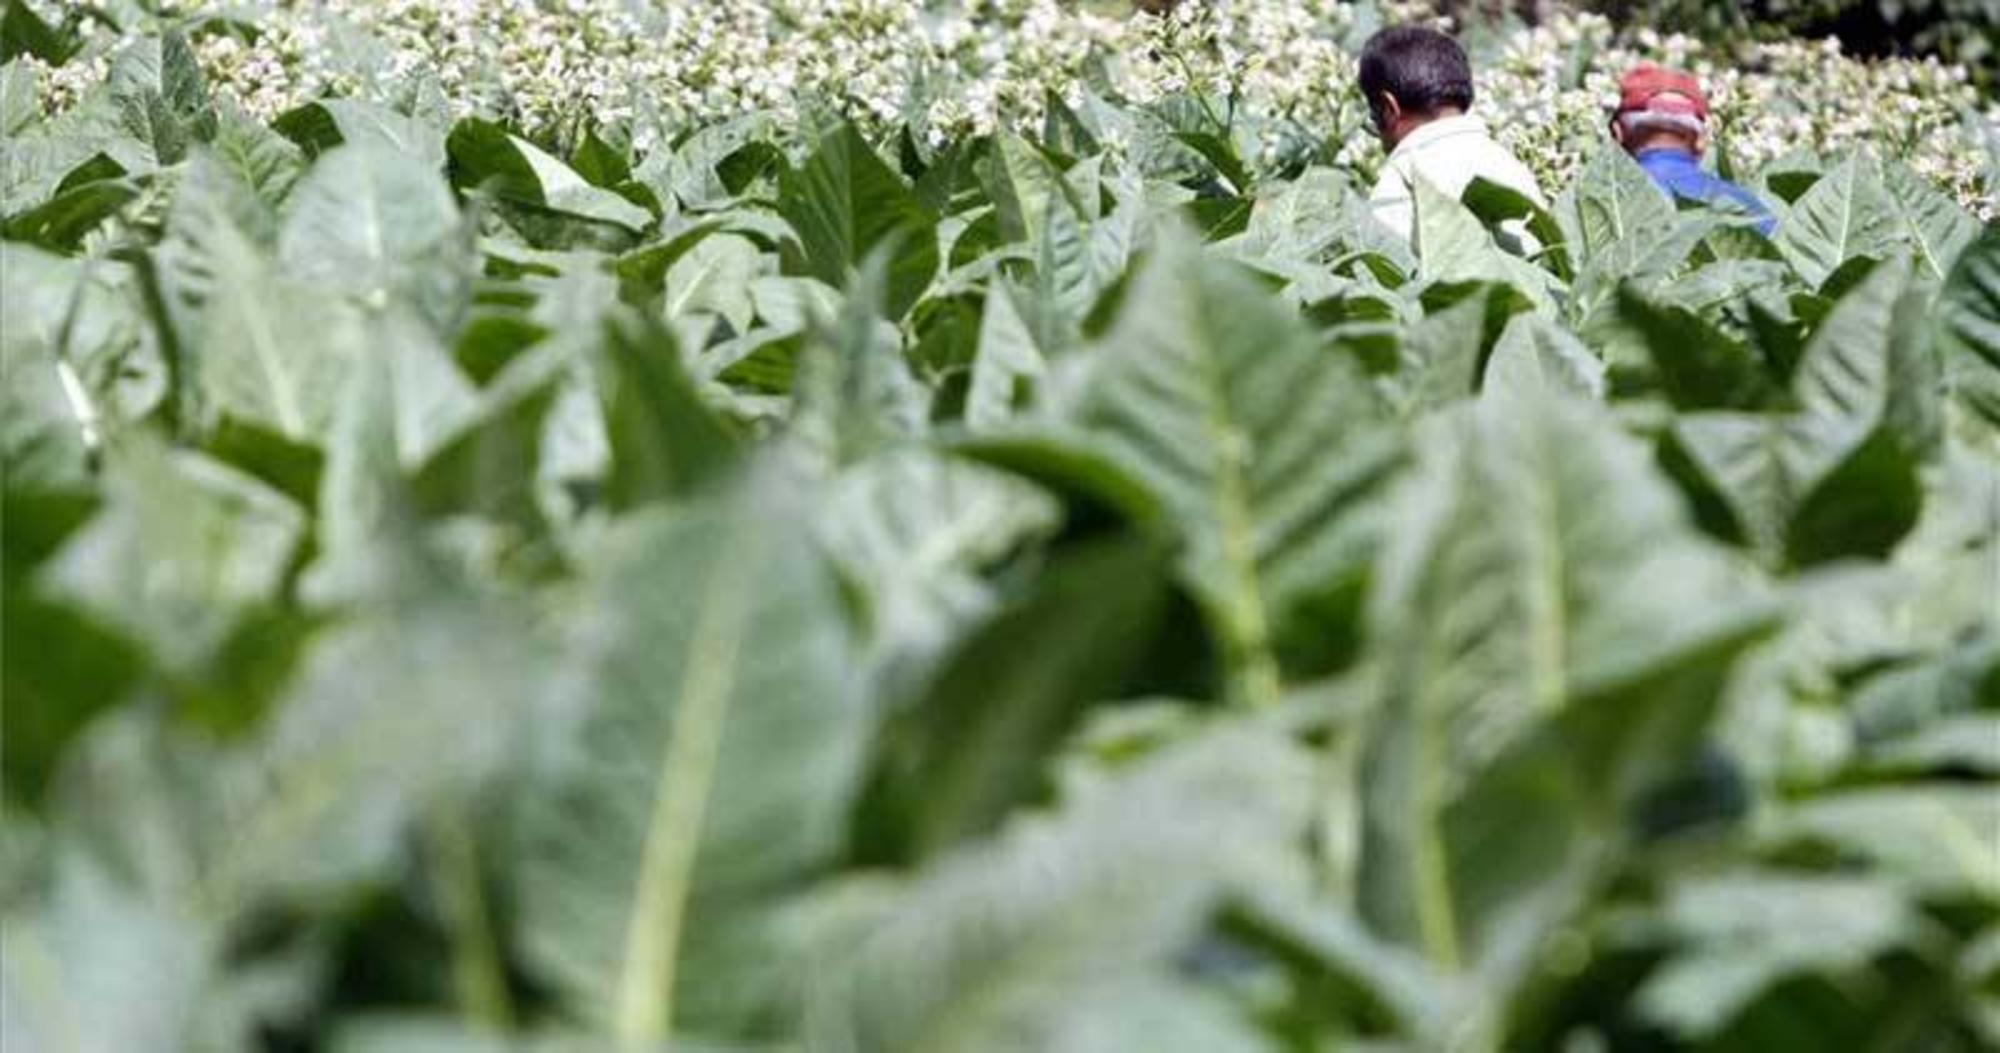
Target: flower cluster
x=958, y=67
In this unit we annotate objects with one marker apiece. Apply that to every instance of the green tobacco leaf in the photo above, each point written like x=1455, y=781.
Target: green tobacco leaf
x=1036, y=938
x=349, y=763
x=372, y=225
x=1937, y=839
x=484, y=156
x=1553, y=631
x=264, y=348
x=974, y=746
x=20, y=98
x=323, y=797
x=1536, y=354
x=1300, y=219
x=182, y=548
x=714, y=275
x=1935, y=226
x=23, y=31
x=1614, y=201
x=79, y=363
x=1454, y=246
x=691, y=171
x=1741, y=933
x=161, y=97
x=1836, y=476
x=1846, y=214
x=488, y=465
x=664, y=440
x=845, y=203
x=1761, y=466
x=1007, y=369
x=68, y=981
x=915, y=530
x=1024, y=185
x=1261, y=445
x=720, y=745
x=855, y=391
x=263, y=160
x=61, y=222
x=1440, y=359
x=1867, y=366
x=320, y=126
x=1696, y=365
x=1496, y=205
x=1968, y=317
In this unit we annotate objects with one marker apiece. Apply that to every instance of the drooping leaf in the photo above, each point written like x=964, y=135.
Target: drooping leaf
x=720, y=742
x=374, y=226
x=1845, y=215
x=321, y=125
x=265, y=349
x=1934, y=225
x=714, y=275
x=1695, y=364
x=263, y=160
x=1259, y=443
x=1037, y=937
x=180, y=550
x=914, y=531
x=1969, y=322
x=845, y=203
x=1740, y=933
x=1007, y=368
x=1454, y=246
x=485, y=156
x=69, y=981
x=1553, y=631
x=1836, y=476
x=664, y=440
x=975, y=744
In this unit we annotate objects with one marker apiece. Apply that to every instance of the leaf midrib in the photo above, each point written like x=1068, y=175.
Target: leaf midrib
x=688, y=758
x=1255, y=678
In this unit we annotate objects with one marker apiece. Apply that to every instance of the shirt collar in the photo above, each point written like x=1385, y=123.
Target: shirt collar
x=1442, y=128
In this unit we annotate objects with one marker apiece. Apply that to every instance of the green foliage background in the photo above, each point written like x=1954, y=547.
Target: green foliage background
x=789, y=590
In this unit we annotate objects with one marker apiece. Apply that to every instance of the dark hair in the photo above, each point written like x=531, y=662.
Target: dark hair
x=1424, y=69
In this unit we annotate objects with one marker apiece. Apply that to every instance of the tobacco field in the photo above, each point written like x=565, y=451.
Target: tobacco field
x=802, y=580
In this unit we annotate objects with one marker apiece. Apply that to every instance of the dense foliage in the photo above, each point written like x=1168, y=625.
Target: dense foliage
x=798, y=580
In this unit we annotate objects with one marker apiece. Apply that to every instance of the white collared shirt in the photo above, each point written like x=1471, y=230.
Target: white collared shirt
x=1449, y=153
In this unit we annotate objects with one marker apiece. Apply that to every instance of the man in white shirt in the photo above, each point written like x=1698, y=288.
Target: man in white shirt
x=1418, y=85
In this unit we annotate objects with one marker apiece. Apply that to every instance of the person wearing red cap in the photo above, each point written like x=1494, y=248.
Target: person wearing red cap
x=1662, y=121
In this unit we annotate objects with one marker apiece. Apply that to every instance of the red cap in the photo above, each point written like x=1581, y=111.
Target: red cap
x=1658, y=90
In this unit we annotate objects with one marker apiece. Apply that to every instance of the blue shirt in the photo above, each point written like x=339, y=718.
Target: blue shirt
x=1679, y=173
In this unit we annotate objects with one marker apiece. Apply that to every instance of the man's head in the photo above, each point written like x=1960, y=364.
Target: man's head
x=1412, y=76
x=1660, y=108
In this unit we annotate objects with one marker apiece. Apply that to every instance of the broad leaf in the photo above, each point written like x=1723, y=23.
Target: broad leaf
x=845, y=203
x=915, y=530
x=182, y=548
x=374, y=226
x=719, y=746
x=1969, y=324
x=484, y=156
x=1553, y=631
x=1846, y=214
x=1037, y=937
x=1261, y=445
